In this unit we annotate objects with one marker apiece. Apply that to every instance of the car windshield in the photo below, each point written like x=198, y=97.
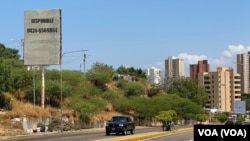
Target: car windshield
x=238, y=123
x=118, y=119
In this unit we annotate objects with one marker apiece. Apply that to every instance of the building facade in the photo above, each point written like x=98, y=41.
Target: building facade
x=174, y=68
x=194, y=69
x=153, y=75
x=243, y=68
x=223, y=88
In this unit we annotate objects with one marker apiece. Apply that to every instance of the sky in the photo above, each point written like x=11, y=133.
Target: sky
x=139, y=33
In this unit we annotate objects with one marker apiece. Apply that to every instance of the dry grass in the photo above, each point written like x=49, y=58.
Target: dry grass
x=20, y=109
x=104, y=116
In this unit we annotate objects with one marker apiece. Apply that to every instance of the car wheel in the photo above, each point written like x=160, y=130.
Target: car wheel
x=107, y=133
x=132, y=131
x=124, y=132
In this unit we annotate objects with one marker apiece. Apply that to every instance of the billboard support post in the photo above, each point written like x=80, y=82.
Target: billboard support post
x=42, y=40
x=43, y=87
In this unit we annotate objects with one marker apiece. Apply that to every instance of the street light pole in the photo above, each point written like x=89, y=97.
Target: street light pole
x=84, y=60
x=61, y=93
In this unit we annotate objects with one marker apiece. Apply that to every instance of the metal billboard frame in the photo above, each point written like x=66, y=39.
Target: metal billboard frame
x=42, y=37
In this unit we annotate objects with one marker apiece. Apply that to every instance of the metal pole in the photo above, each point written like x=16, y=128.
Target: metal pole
x=84, y=60
x=34, y=86
x=43, y=86
x=61, y=93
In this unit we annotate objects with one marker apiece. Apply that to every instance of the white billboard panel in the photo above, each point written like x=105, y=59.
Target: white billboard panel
x=239, y=107
x=42, y=37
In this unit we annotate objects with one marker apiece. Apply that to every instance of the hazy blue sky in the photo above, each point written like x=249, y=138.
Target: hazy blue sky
x=140, y=33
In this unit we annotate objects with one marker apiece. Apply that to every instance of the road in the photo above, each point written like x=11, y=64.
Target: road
x=86, y=135
x=186, y=136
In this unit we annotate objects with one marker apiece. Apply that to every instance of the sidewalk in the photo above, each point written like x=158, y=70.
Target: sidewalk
x=49, y=133
x=53, y=133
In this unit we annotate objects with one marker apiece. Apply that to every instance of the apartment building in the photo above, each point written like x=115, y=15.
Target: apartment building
x=243, y=68
x=153, y=75
x=174, y=68
x=194, y=69
x=223, y=88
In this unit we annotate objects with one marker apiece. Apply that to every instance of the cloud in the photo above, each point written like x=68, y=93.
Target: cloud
x=234, y=50
x=225, y=60
x=228, y=56
x=191, y=59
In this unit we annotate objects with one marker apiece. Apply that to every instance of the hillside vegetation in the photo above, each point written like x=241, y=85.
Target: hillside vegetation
x=96, y=95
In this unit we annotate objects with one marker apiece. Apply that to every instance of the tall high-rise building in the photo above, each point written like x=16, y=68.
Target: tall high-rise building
x=153, y=75
x=223, y=88
x=174, y=68
x=243, y=68
x=194, y=69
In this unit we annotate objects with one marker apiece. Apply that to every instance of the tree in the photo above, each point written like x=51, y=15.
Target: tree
x=139, y=73
x=5, y=78
x=248, y=104
x=100, y=74
x=8, y=53
x=165, y=116
x=154, y=90
x=201, y=117
x=246, y=97
x=134, y=89
x=222, y=117
x=240, y=118
x=86, y=108
x=186, y=109
x=188, y=88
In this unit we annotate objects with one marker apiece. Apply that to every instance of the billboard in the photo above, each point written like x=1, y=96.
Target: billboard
x=42, y=37
x=239, y=107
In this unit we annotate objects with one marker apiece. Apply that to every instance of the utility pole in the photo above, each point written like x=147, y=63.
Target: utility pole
x=61, y=93
x=84, y=60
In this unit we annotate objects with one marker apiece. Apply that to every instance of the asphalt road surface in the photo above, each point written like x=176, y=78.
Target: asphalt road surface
x=186, y=136
x=86, y=135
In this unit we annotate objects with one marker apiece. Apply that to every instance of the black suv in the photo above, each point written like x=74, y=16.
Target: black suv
x=120, y=124
x=238, y=122
x=229, y=122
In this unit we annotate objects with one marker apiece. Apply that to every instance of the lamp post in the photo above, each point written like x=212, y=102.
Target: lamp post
x=84, y=60
x=61, y=83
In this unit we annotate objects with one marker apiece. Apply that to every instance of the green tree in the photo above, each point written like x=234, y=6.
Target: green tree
x=201, y=117
x=246, y=97
x=165, y=116
x=5, y=76
x=248, y=104
x=86, y=108
x=8, y=53
x=240, y=118
x=186, y=109
x=156, y=89
x=100, y=74
x=222, y=117
x=188, y=88
x=134, y=89
x=138, y=73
